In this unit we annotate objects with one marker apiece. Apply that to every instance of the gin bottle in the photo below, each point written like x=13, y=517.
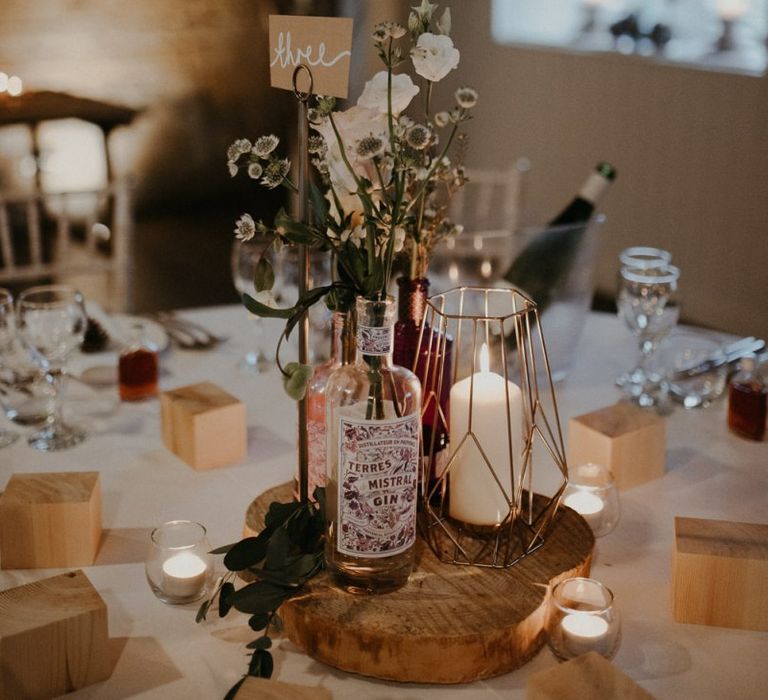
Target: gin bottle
x=373, y=410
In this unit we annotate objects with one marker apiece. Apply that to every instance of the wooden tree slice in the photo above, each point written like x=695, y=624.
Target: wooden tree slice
x=449, y=624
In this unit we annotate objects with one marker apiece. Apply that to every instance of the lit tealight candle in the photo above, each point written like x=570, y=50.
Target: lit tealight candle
x=184, y=575
x=588, y=505
x=475, y=496
x=731, y=9
x=583, y=632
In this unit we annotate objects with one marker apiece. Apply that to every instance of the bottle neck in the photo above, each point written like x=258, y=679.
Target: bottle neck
x=594, y=189
x=342, y=338
x=375, y=331
x=412, y=300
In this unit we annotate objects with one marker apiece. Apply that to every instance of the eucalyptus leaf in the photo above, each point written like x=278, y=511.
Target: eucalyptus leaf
x=258, y=621
x=202, y=611
x=259, y=597
x=261, y=664
x=245, y=553
x=222, y=550
x=260, y=643
x=232, y=692
x=224, y=605
x=278, y=513
x=278, y=549
x=296, y=379
x=264, y=275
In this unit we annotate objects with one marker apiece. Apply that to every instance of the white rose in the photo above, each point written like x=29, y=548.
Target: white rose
x=353, y=124
x=434, y=56
x=375, y=93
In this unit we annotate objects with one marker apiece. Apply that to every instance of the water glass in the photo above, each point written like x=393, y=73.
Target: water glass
x=7, y=437
x=179, y=567
x=682, y=351
x=644, y=257
x=51, y=323
x=582, y=617
x=649, y=304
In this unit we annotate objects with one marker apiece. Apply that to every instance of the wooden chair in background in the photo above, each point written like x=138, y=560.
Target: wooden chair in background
x=78, y=238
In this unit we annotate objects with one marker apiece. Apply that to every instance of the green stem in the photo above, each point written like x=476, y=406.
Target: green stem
x=433, y=168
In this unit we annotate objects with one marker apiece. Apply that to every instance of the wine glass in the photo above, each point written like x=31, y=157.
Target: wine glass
x=644, y=257
x=245, y=257
x=7, y=437
x=52, y=321
x=648, y=302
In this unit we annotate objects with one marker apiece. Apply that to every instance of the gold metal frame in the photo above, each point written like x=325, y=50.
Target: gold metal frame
x=512, y=319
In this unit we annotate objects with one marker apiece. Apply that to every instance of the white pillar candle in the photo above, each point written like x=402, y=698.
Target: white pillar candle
x=475, y=497
x=184, y=575
x=583, y=632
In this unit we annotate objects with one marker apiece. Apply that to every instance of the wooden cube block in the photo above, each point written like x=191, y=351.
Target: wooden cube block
x=720, y=573
x=203, y=425
x=53, y=637
x=50, y=520
x=587, y=677
x=265, y=689
x=627, y=439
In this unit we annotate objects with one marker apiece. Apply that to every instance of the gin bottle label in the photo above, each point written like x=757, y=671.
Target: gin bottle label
x=378, y=473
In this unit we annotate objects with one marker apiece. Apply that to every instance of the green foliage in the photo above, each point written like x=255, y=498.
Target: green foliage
x=286, y=554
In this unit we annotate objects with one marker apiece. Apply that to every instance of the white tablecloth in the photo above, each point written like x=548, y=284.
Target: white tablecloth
x=161, y=653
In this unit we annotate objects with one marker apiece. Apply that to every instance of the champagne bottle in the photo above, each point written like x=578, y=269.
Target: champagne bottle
x=545, y=262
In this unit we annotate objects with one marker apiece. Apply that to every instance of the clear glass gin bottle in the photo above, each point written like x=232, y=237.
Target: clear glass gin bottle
x=373, y=410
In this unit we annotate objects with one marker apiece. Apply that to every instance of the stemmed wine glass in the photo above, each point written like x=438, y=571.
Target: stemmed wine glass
x=245, y=256
x=649, y=304
x=7, y=437
x=51, y=323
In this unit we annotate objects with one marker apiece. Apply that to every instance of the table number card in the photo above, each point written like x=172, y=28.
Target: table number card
x=324, y=44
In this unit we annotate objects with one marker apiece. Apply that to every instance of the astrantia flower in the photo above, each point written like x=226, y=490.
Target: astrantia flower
x=315, y=116
x=442, y=118
x=321, y=165
x=254, y=171
x=275, y=171
x=370, y=147
x=238, y=148
x=374, y=94
x=466, y=97
x=316, y=144
x=265, y=145
x=232, y=166
x=325, y=104
x=245, y=228
x=434, y=56
x=385, y=30
x=418, y=137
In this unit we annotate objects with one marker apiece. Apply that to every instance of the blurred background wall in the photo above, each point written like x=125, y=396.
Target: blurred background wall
x=690, y=145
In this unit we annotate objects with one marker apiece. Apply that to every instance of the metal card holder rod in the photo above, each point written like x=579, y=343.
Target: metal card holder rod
x=303, y=216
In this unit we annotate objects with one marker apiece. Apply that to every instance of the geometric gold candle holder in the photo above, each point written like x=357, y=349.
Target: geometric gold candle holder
x=490, y=495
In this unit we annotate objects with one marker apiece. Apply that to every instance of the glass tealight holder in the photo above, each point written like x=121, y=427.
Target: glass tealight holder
x=179, y=567
x=592, y=493
x=582, y=617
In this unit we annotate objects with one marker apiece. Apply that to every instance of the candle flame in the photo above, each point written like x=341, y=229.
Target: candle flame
x=484, y=361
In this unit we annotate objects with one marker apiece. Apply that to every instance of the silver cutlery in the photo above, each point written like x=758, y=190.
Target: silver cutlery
x=187, y=334
x=724, y=356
